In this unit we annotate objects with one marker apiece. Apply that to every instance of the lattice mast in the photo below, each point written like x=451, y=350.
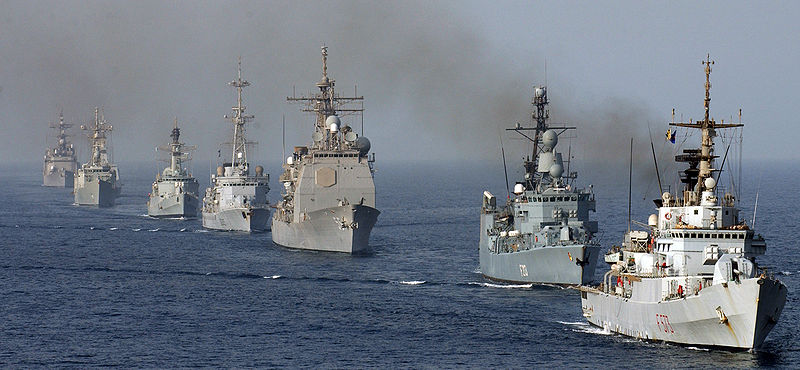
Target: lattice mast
x=325, y=104
x=97, y=139
x=239, y=119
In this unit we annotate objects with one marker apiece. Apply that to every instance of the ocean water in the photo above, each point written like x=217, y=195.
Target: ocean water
x=87, y=287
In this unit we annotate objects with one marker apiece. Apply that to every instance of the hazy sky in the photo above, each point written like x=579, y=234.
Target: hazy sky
x=440, y=78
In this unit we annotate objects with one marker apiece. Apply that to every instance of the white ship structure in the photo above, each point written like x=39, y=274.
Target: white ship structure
x=328, y=198
x=97, y=181
x=175, y=192
x=237, y=199
x=60, y=161
x=691, y=277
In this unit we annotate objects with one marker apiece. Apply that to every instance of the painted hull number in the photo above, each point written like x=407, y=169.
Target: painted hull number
x=663, y=323
x=523, y=270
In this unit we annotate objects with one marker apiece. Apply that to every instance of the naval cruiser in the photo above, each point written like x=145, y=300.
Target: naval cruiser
x=328, y=197
x=237, y=200
x=60, y=162
x=543, y=234
x=97, y=181
x=175, y=191
x=691, y=277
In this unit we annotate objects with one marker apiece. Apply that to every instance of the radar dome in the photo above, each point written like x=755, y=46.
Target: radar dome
x=539, y=92
x=289, y=160
x=652, y=220
x=334, y=119
x=334, y=127
x=519, y=189
x=220, y=171
x=710, y=183
x=259, y=170
x=549, y=139
x=556, y=170
x=363, y=145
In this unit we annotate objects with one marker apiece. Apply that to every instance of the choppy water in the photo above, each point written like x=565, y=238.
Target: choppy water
x=85, y=287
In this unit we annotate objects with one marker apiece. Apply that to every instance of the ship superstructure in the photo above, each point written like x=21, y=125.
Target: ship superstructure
x=328, y=198
x=237, y=199
x=543, y=234
x=175, y=192
x=97, y=181
x=691, y=276
x=60, y=161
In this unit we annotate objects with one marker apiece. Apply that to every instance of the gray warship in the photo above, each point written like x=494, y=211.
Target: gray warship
x=97, y=181
x=328, y=198
x=543, y=234
x=691, y=276
x=237, y=200
x=60, y=162
x=175, y=192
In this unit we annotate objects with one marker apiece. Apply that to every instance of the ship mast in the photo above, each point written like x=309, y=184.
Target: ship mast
x=62, y=149
x=97, y=139
x=539, y=116
x=705, y=156
x=239, y=119
x=325, y=104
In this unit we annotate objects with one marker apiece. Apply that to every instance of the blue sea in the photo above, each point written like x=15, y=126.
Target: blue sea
x=87, y=287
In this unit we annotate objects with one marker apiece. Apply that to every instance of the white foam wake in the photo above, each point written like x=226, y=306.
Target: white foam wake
x=585, y=327
x=504, y=286
x=156, y=229
x=113, y=228
x=273, y=277
x=412, y=282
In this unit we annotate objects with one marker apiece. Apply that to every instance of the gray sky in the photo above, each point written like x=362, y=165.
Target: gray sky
x=440, y=78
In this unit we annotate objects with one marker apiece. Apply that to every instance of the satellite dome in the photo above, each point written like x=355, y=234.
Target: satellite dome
x=539, y=92
x=334, y=119
x=652, y=220
x=556, y=170
x=710, y=183
x=363, y=145
x=259, y=170
x=220, y=171
x=549, y=139
x=334, y=127
x=289, y=160
x=519, y=188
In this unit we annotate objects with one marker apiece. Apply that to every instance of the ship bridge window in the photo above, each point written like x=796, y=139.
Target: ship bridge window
x=695, y=211
x=574, y=198
x=726, y=211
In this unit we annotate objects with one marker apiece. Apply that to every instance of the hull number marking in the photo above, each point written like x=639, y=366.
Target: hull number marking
x=663, y=323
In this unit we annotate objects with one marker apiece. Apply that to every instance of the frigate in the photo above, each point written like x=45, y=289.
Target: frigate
x=97, y=181
x=175, y=192
x=237, y=200
x=60, y=162
x=328, y=197
x=543, y=234
x=691, y=276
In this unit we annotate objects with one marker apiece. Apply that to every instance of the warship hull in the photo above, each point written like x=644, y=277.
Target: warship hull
x=733, y=315
x=563, y=265
x=176, y=205
x=95, y=192
x=237, y=219
x=59, y=176
x=343, y=229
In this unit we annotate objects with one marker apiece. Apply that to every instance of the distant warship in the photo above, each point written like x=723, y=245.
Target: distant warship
x=175, y=191
x=543, y=234
x=236, y=200
x=60, y=162
x=691, y=277
x=97, y=182
x=328, y=201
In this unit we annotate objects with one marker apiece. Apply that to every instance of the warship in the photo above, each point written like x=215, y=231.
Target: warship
x=237, y=200
x=60, y=162
x=691, y=276
x=543, y=234
x=97, y=181
x=175, y=191
x=328, y=197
